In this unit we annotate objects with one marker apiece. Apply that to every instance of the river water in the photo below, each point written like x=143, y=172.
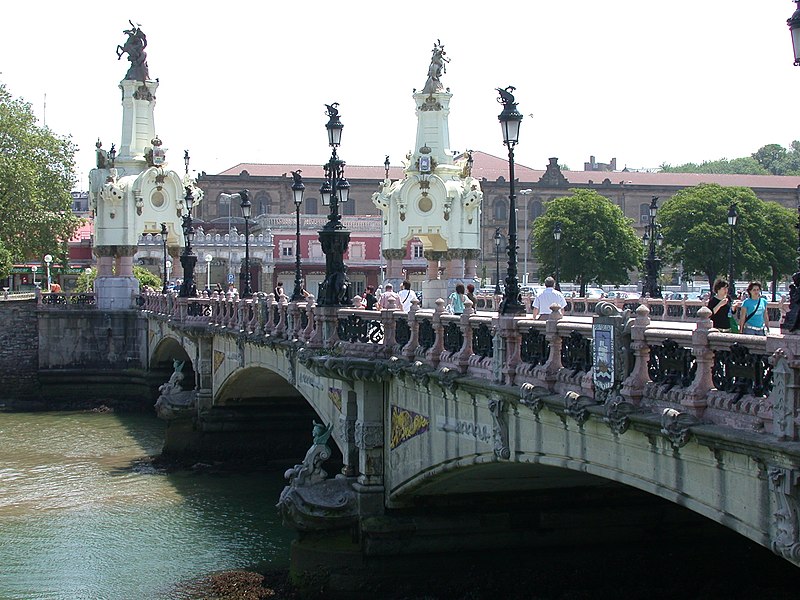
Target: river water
x=82, y=516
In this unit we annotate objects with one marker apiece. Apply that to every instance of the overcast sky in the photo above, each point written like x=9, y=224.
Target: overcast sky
x=646, y=82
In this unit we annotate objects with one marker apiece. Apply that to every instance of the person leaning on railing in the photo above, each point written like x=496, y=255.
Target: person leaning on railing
x=720, y=306
x=753, y=313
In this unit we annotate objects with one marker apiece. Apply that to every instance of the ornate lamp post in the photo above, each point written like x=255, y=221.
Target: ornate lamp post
x=34, y=268
x=733, y=216
x=297, y=189
x=335, y=290
x=652, y=264
x=246, y=208
x=498, y=237
x=48, y=259
x=168, y=266
x=164, y=232
x=557, y=238
x=510, y=120
x=208, y=258
x=792, y=320
x=188, y=258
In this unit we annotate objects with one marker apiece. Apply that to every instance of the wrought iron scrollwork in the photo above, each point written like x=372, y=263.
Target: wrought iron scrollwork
x=774, y=314
x=276, y=313
x=674, y=310
x=741, y=372
x=576, y=353
x=303, y=319
x=53, y=299
x=671, y=364
x=482, y=343
x=426, y=334
x=453, y=337
x=354, y=328
x=535, y=348
x=691, y=310
x=197, y=309
x=656, y=310
x=402, y=332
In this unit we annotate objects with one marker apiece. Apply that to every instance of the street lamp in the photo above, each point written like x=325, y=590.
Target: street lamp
x=335, y=290
x=34, y=268
x=208, y=258
x=510, y=120
x=246, y=208
x=652, y=264
x=498, y=237
x=297, y=190
x=168, y=267
x=557, y=238
x=48, y=259
x=164, y=232
x=733, y=216
x=188, y=257
x=794, y=27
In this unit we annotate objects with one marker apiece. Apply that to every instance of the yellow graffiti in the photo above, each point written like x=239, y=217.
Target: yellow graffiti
x=406, y=424
x=335, y=395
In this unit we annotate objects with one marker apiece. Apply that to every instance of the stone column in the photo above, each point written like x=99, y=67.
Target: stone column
x=369, y=439
x=471, y=263
x=633, y=385
x=433, y=257
x=455, y=263
x=696, y=396
x=394, y=264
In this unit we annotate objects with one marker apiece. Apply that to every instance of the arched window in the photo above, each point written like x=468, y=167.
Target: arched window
x=500, y=209
x=263, y=204
x=644, y=213
x=223, y=206
x=312, y=206
x=535, y=209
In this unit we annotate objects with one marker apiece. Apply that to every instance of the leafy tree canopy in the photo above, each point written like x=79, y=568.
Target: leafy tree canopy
x=696, y=232
x=771, y=159
x=598, y=243
x=36, y=176
x=85, y=281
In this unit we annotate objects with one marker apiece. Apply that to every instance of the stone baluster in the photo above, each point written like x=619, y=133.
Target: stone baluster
x=308, y=332
x=240, y=308
x=282, y=327
x=695, y=398
x=465, y=353
x=634, y=384
x=389, y=327
x=434, y=353
x=512, y=340
x=548, y=372
x=327, y=318
x=294, y=310
x=410, y=349
x=269, y=327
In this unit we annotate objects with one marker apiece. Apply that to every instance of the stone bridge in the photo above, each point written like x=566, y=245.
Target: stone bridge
x=436, y=416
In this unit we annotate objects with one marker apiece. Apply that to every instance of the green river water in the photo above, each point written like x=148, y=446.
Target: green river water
x=82, y=516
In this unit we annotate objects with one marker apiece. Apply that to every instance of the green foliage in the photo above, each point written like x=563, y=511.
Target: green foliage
x=778, y=241
x=696, y=231
x=743, y=166
x=146, y=277
x=85, y=281
x=598, y=243
x=36, y=176
x=6, y=261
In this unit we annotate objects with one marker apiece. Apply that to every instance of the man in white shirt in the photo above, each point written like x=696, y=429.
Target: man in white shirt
x=389, y=299
x=407, y=295
x=550, y=296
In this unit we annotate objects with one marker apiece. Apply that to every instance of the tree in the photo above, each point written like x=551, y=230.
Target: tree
x=772, y=157
x=85, y=281
x=696, y=232
x=598, y=243
x=746, y=165
x=778, y=242
x=36, y=176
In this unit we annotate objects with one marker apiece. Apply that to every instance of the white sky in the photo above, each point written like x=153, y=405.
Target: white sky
x=644, y=81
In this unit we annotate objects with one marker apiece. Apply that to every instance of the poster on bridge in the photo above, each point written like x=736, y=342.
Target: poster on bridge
x=604, y=359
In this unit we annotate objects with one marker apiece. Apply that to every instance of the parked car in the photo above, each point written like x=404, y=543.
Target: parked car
x=595, y=293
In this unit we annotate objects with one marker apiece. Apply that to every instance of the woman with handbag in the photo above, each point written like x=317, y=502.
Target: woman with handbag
x=753, y=313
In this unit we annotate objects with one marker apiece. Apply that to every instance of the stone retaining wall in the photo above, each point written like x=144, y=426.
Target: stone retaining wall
x=19, y=350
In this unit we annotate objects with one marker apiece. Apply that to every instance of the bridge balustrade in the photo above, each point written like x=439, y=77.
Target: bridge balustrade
x=66, y=300
x=723, y=378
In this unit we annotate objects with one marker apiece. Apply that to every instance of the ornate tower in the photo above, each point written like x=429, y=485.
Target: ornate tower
x=438, y=201
x=133, y=191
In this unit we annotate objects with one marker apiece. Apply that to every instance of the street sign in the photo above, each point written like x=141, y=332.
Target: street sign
x=230, y=277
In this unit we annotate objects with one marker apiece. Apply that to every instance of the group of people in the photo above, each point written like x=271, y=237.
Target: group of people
x=747, y=314
x=389, y=299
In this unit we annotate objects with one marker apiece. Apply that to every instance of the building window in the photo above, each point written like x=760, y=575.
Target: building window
x=286, y=248
x=535, y=210
x=262, y=204
x=644, y=213
x=311, y=206
x=223, y=206
x=349, y=207
x=417, y=251
x=315, y=249
x=500, y=210
x=356, y=250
